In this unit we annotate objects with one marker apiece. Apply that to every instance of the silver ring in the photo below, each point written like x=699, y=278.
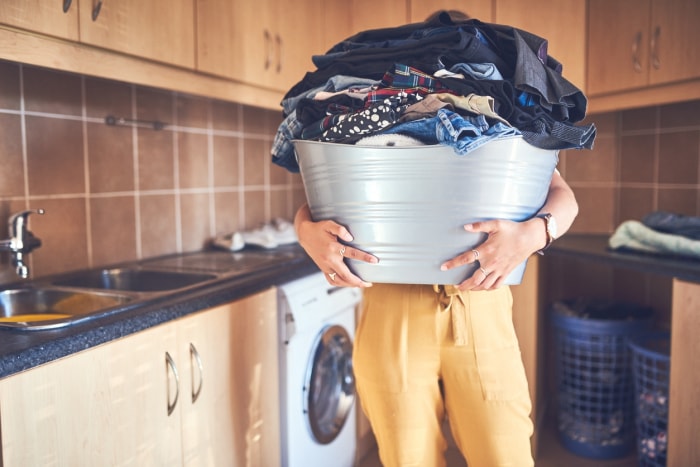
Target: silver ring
x=476, y=254
x=342, y=251
x=332, y=275
x=484, y=271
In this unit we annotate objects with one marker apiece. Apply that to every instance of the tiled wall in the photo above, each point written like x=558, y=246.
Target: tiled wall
x=644, y=160
x=118, y=193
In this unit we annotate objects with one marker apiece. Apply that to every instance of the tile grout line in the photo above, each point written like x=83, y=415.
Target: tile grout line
x=86, y=173
x=136, y=172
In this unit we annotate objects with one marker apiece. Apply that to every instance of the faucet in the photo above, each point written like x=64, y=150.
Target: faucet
x=21, y=240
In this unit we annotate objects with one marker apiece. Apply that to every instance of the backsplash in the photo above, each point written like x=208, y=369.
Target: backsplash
x=119, y=193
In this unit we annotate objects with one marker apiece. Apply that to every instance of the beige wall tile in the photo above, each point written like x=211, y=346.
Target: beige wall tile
x=254, y=209
x=113, y=230
x=226, y=116
x=155, y=104
x=679, y=153
x=195, y=219
x=280, y=204
x=159, y=230
x=193, y=160
x=637, y=158
x=226, y=151
x=12, y=162
x=596, y=210
x=680, y=115
x=278, y=175
x=110, y=158
x=103, y=97
x=52, y=91
x=597, y=165
x=257, y=121
x=55, y=160
x=678, y=200
x=639, y=119
x=9, y=85
x=634, y=204
x=227, y=212
x=63, y=233
x=156, y=160
x=255, y=162
x=192, y=111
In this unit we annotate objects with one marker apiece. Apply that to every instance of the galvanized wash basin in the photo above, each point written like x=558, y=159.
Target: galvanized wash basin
x=133, y=279
x=45, y=308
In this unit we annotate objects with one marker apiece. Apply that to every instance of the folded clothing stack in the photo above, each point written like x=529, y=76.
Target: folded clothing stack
x=659, y=232
x=273, y=234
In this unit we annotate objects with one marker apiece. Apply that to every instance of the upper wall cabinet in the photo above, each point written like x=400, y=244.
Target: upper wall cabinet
x=54, y=18
x=160, y=31
x=640, y=43
x=562, y=23
x=267, y=43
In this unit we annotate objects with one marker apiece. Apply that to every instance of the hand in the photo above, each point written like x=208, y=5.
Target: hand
x=321, y=240
x=508, y=244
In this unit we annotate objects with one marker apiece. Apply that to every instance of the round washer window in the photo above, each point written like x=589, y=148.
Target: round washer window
x=329, y=387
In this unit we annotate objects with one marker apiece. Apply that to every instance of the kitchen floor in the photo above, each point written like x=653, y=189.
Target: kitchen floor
x=552, y=454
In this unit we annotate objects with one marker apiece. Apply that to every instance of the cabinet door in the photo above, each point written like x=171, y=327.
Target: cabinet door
x=562, y=23
x=480, y=9
x=674, y=39
x=159, y=30
x=103, y=406
x=230, y=405
x=267, y=43
x=55, y=17
x=618, y=45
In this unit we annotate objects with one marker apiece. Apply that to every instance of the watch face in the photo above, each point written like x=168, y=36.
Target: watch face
x=552, y=226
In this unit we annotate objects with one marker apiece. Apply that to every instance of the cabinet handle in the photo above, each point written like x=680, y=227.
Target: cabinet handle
x=194, y=354
x=96, y=8
x=635, y=52
x=170, y=363
x=654, y=45
x=268, y=49
x=66, y=5
x=278, y=42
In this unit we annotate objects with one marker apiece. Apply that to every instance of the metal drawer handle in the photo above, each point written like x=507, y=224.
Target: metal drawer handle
x=170, y=363
x=96, y=8
x=635, y=52
x=268, y=49
x=194, y=354
x=278, y=41
x=66, y=5
x=655, y=62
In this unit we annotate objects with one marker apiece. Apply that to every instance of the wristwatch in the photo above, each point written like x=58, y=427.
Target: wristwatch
x=550, y=225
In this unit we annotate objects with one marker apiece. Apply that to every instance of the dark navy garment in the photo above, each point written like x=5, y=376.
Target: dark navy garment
x=678, y=224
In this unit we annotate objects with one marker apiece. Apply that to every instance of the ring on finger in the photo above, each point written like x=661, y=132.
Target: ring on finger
x=342, y=251
x=332, y=275
x=484, y=272
x=476, y=254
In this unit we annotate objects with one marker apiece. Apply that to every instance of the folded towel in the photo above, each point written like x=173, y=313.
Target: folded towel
x=637, y=236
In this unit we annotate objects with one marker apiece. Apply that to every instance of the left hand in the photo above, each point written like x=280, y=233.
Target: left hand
x=508, y=244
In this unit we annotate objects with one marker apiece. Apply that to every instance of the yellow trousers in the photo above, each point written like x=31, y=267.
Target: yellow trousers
x=421, y=350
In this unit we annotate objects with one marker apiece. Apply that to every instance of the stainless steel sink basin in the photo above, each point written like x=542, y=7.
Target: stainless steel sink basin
x=42, y=308
x=133, y=280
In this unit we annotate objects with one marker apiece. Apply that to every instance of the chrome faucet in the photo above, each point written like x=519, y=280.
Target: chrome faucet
x=21, y=240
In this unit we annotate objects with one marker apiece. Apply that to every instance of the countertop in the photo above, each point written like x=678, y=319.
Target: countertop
x=594, y=247
x=23, y=349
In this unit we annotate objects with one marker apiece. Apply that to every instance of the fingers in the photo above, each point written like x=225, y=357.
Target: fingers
x=338, y=273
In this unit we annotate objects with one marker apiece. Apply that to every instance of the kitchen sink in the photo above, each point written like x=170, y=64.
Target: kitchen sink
x=133, y=279
x=45, y=308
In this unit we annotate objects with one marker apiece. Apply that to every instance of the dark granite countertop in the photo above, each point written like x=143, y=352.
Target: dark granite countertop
x=24, y=349
x=594, y=247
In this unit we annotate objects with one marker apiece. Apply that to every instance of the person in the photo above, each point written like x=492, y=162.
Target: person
x=422, y=352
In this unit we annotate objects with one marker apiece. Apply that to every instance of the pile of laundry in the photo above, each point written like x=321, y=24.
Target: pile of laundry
x=443, y=81
x=659, y=232
x=276, y=233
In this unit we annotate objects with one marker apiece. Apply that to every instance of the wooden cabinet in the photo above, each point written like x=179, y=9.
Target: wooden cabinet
x=268, y=43
x=635, y=44
x=156, y=30
x=562, y=23
x=202, y=390
x=54, y=18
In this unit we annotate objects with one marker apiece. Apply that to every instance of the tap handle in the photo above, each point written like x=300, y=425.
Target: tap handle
x=18, y=222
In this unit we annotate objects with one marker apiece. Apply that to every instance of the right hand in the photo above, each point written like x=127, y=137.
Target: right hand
x=321, y=241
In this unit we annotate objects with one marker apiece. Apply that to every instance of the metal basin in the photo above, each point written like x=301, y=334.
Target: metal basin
x=42, y=308
x=133, y=280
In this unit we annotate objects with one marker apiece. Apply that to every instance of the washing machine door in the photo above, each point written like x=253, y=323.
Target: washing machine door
x=329, y=386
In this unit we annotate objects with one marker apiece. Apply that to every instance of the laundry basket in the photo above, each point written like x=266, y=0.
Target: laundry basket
x=651, y=365
x=407, y=205
x=594, y=375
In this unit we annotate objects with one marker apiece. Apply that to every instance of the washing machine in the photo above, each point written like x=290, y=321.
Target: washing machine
x=318, y=402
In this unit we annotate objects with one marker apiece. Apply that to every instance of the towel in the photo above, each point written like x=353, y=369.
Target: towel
x=635, y=235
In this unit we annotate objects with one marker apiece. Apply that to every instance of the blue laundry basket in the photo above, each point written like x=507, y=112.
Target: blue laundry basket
x=651, y=365
x=594, y=375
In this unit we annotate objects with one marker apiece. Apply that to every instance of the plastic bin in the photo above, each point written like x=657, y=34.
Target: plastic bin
x=651, y=364
x=408, y=204
x=594, y=375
